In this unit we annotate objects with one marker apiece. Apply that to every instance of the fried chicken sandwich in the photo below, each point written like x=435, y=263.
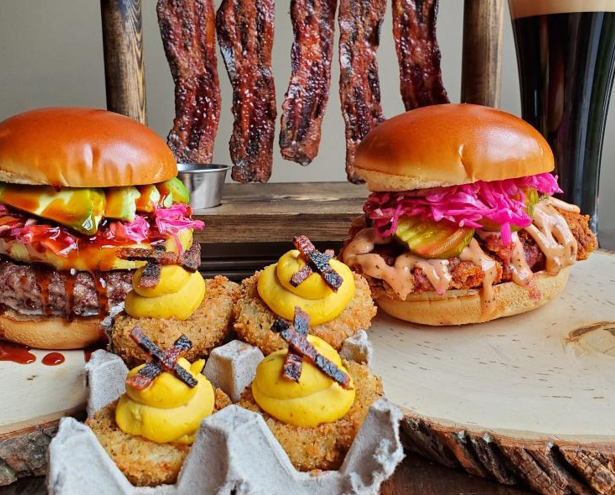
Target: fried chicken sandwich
x=461, y=225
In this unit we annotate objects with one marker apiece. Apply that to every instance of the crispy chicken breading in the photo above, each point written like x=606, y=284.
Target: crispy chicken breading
x=206, y=328
x=465, y=274
x=325, y=446
x=143, y=462
x=253, y=318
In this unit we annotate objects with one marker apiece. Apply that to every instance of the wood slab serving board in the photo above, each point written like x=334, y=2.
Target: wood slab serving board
x=33, y=397
x=528, y=399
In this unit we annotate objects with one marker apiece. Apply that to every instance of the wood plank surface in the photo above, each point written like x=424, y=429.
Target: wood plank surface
x=256, y=213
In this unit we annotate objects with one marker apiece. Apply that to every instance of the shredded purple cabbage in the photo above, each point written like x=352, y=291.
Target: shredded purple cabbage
x=501, y=202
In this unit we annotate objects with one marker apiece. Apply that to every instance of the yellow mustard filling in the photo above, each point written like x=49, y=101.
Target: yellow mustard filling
x=177, y=295
x=313, y=295
x=168, y=410
x=313, y=400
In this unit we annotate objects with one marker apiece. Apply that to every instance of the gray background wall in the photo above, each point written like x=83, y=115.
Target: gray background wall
x=51, y=54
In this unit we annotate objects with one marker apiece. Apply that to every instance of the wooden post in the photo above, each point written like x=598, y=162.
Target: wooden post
x=482, y=52
x=123, y=52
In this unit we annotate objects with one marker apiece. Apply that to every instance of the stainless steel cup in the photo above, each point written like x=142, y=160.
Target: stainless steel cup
x=204, y=183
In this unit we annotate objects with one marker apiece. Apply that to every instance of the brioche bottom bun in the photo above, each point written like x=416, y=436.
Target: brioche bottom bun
x=461, y=307
x=45, y=332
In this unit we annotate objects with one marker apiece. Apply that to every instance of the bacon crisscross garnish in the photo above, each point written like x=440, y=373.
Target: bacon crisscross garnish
x=155, y=258
x=299, y=347
x=162, y=360
x=317, y=261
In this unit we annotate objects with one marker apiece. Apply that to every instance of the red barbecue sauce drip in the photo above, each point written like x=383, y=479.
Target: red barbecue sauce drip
x=53, y=359
x=69, y=287
x=101, y=292
x=15, y=353
x=43, y=278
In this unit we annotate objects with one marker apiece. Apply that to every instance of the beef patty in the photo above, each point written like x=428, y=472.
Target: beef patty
x=23, y=288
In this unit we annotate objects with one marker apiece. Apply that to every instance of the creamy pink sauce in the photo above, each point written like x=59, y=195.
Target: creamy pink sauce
x=550, y=231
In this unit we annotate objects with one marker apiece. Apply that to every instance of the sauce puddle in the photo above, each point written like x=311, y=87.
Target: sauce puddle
x=53, y=359
x=16, y=353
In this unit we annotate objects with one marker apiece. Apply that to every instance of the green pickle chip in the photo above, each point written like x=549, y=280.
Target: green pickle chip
x=431, y=239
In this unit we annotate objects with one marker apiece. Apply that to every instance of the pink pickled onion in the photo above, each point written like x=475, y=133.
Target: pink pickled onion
x=501, y=202
x=172, y=220
x=136, y=231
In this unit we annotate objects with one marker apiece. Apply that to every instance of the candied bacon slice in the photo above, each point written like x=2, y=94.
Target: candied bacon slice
x=301, y=321
x=144, y=377
x=359, y=22
x=163, y=360
x=301, y=276
x=188, y=31
x=293, y=362
x=300, y=345
x=318, y=261
x=308, y=91
x=245, y=33
x=293, y=366
x=418, y=53
x=151, y=276
x=161, y=257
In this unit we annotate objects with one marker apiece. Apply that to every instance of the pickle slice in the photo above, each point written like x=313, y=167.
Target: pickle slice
x=431, y=239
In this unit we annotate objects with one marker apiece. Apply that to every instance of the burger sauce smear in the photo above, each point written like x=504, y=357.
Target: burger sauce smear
x=550, y=231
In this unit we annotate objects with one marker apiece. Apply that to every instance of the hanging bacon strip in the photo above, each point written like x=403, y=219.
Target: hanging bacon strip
x=418, y=53
x=317, y=261
x=308, y=92
x=161, y=361
x=189, y=37
x=245, y=33
x=359, y=22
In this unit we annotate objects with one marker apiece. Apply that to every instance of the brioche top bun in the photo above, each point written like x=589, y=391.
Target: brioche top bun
x=81, y=147
x=50, y=332
x=450, y=144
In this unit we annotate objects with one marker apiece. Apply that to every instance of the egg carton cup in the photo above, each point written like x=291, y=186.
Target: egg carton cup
x=234, y=450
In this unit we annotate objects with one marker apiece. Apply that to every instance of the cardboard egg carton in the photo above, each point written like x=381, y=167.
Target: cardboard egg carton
x=234, y=450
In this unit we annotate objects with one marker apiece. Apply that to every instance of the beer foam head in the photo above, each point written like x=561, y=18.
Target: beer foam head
x=530, y=8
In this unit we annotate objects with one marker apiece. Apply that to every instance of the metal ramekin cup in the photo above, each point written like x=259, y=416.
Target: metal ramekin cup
x=204, y=183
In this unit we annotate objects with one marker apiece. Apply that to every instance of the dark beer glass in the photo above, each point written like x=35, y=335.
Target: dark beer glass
x=566, y=61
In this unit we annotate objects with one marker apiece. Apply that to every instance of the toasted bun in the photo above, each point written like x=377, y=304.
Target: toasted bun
x=44, y=332
x=81, y=147
x=460, y=307
x=445, y=145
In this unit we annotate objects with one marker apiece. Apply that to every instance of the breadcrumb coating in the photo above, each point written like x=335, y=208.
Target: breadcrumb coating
x=253, y=318
x=325, y=446
x=206, y=328
x=143, y=462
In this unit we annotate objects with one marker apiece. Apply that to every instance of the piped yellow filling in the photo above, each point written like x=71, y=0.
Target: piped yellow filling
x=178, y=295
x=313, y=295
x=315, y=399
x=168, y=410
